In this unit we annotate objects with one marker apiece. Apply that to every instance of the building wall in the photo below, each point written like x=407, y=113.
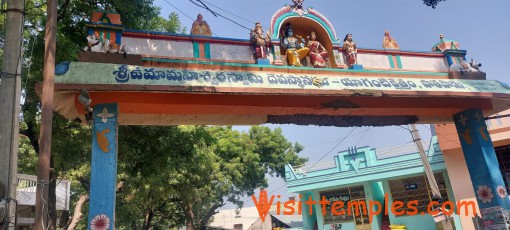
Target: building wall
x=424, y=63
x=461, y=183
x=160, y=48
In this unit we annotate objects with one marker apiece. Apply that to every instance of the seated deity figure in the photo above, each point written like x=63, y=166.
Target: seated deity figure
x=295, y=49
x=200, y=27
x=350, y=50
x=389, y=42
x=259, y=42
x=318, y=54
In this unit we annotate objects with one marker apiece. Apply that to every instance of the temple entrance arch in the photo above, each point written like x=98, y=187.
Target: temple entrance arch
x=215, y=81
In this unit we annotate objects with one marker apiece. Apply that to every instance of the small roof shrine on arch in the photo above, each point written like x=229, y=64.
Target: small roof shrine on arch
x=303, y=23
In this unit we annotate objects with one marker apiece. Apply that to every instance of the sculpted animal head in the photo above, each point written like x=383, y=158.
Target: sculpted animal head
x=92, y=39
x=475, y=64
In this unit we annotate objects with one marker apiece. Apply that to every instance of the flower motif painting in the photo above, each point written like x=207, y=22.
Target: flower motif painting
x=502, y=192
x=100, y=222
x=484, y=194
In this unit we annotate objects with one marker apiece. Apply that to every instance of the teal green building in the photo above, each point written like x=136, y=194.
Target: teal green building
x=383, y=176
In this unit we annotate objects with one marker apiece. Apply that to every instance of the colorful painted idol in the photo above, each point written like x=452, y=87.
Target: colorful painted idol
x=260, y=42
x=350, y=49
x=318, y=54
x=295, y=49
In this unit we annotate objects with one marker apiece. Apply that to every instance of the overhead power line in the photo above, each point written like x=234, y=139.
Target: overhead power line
x=185, y=14
x=204, y=6
x=179, y=10
x=235, y=15
x=342, y=140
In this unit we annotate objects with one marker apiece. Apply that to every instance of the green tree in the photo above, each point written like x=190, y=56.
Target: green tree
x=187, y=172
x=170, y=25
x=71, y=141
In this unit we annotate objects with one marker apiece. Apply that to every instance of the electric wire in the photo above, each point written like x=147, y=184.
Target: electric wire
x=235, y=15
x=192, y=20
x=216, y=13
x=364, y=133
x=179, y=10
x=329, y=142
x=343, y=139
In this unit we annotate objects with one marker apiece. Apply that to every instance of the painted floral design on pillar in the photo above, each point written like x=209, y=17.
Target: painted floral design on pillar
x=502, y=192
x=100, y=222
x=484, y=194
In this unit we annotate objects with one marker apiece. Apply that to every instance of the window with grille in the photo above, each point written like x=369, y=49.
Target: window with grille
x=355, y=193
x=416, y=188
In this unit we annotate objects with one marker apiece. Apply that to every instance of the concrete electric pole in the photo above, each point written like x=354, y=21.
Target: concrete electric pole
x=436, y=194
x=10, y=94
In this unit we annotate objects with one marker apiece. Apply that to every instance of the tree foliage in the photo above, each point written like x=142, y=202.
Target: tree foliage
x=186, y=173
x=169, y=176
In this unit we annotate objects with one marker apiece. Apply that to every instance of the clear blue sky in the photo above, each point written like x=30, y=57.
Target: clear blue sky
x=481, y=28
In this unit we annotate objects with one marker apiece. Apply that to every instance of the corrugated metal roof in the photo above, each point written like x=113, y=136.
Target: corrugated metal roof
x=294, y=221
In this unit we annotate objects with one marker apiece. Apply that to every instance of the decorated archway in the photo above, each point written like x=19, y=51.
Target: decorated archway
x=171, y=79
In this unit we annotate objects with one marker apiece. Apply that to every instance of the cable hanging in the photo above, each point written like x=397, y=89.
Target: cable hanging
x=192, y=20
x=217, y=14
x=235, y=15
x=179, y=10
x=345, y=137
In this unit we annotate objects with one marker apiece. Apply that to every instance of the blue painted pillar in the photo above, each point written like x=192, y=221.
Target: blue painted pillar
x=483, y=168
x=103, y=167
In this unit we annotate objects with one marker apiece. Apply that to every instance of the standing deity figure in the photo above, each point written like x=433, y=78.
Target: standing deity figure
x=318, y=54
x=295, y=49
x=350, y=50
x=389, y=42
x=259, y=41
x=200, y=27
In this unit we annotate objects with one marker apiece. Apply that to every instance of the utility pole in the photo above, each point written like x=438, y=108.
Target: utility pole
x=10, y=94
x=43, y=169
x=436, y=194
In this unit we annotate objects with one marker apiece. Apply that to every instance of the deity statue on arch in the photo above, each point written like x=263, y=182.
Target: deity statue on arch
x=389, y=42
x=200, y=27
x=318, y=54
x=294, y=47
x=259, y=41
x=350, y=49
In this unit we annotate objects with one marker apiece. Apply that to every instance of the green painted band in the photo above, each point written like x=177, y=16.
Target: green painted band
x=301, y=68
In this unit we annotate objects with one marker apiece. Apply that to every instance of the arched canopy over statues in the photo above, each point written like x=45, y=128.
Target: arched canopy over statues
x=389, y=42
x=294, y=47
x=259, y=41
x=350, y=49
x=200, y=27
x=318, y=54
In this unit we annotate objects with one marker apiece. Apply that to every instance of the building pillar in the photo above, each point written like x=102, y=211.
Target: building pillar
x=103, y=167
x=483, y=168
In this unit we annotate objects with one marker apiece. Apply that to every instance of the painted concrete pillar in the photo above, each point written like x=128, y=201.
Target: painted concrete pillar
x=483, y=168
x=103, y=167
x=309, y=220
